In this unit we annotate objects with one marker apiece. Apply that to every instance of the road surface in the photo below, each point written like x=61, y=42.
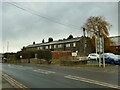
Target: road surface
x=49, y=76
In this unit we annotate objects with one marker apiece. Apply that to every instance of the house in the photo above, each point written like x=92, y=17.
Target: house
x=115, y=44
x=82, y=45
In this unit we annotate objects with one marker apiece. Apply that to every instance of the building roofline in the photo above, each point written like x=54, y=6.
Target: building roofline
x=55, y=42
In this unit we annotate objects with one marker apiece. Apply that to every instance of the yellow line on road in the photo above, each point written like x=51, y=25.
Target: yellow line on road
x=14, y=83
x=92, y=81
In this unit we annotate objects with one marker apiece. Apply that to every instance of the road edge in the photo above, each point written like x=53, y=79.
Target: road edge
x=14, y=83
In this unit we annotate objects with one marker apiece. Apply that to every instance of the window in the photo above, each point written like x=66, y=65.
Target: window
x=41, y=47
x=38, y=48
x=74, y=44
x=46, y=47
x=54, y=46
x=50, y=46
x=59, y=46
x=67, y=45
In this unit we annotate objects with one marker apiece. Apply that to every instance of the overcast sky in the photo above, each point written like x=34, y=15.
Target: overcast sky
x=51, y=19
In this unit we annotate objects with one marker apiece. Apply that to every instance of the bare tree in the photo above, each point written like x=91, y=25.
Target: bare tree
x=97, y=25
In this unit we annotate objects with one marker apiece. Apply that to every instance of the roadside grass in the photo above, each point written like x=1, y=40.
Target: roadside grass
x=67, y=61
x=55, y=61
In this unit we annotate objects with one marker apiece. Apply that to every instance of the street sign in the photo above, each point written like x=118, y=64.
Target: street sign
x=100, y=50
x=100, y=45
x=74, y=54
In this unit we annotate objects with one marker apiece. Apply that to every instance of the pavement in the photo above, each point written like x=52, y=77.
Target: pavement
x=6, y=85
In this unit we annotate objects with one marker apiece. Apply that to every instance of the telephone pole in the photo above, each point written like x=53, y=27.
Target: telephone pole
x=84, y=41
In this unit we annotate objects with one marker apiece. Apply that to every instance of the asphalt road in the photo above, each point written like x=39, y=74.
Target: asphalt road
x=49, y=76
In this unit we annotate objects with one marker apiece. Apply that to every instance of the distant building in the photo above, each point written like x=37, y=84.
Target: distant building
x=115, y=44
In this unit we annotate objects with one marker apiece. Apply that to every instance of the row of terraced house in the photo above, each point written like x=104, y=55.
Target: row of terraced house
x=82, y=45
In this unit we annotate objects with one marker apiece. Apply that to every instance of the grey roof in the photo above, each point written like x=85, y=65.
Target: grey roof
x=55, y=42
x=116, y=40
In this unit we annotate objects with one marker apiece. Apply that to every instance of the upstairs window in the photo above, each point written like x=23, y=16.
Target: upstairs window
x=74, y=44
x=59, y=46
x=55, y=46
x=67, y=45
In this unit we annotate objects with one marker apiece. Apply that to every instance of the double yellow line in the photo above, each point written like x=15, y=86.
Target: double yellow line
x=14, y=83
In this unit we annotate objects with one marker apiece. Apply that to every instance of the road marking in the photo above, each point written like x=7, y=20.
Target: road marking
x=92, y=81
x=14, y=83
x=19, y=67
x=44, y=71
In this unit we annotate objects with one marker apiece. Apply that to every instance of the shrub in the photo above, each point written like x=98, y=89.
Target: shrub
x=66, y=60
x=40, y=54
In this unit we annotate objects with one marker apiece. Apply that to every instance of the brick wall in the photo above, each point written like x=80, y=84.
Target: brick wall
x=59, y=54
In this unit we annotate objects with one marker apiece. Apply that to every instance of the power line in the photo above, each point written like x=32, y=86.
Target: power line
x=47, y=18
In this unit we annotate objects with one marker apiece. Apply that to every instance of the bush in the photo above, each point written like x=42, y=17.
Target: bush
x=40, y=54
x=66, y=60
x=10, y=57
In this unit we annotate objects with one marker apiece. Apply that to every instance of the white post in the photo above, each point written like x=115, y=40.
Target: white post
x=99, y=53
x=96, y=45
x=103, y=53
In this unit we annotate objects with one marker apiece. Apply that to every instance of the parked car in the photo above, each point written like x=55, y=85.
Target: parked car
x=93, y=56
x=112, y=58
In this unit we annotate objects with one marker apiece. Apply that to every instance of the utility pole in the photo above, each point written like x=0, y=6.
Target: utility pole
x=84, y=40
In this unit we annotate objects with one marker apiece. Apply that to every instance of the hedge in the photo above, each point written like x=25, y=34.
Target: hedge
x=40, y=54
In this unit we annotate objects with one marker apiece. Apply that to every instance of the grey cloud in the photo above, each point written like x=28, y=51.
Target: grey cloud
x=22, y=27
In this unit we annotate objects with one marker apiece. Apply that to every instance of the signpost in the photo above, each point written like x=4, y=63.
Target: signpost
x=74, y=54
x=100, y=50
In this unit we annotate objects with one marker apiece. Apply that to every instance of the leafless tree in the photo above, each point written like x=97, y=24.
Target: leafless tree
x=97, y=25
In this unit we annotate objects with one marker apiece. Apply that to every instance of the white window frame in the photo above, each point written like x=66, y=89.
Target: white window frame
x=74, y=44
x=41, y=47
x=55, y=46
x=46, y=47
x=59, y=46
x=50, y=46
x=68, y=45
x=38, y=48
